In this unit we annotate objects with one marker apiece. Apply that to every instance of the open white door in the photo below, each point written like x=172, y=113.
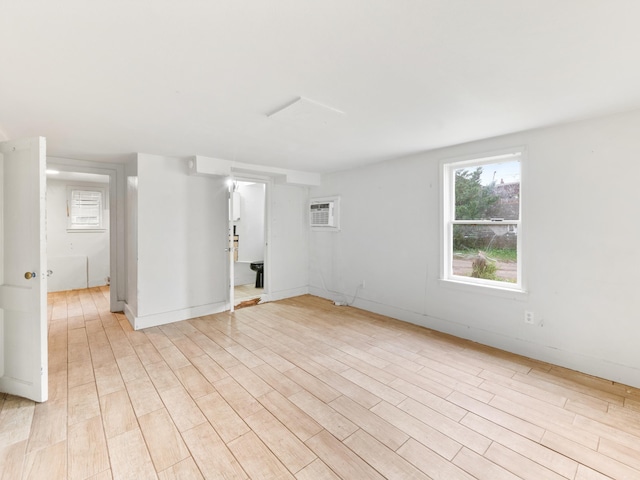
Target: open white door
x=23, y=282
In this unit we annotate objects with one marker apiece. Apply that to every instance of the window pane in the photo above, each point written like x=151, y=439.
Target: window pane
x=85, y=208
x=488, y=192
x=485, y=251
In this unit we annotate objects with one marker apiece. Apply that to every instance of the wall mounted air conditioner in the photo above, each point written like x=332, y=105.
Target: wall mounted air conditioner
x=324, y=213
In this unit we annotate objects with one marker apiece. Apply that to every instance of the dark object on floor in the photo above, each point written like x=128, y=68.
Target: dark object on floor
x=258, y=267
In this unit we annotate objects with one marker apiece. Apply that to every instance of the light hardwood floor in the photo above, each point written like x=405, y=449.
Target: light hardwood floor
x=301, y=389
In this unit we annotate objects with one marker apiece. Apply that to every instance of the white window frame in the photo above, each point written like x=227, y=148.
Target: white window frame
x=76, y=227
x=447, y=173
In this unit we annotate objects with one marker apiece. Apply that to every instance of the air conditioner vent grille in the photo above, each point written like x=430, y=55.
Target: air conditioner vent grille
x=324, y=213
x=320, y=213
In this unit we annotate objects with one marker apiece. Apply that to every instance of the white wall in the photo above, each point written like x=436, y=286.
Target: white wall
x=250, y=227
x=287, y=267
x=78, y=259
x=242, y=274
x=179, y=238
x=580, y=232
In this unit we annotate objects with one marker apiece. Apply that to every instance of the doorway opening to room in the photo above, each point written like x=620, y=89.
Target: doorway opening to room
x=78, y=230
x=247, y=230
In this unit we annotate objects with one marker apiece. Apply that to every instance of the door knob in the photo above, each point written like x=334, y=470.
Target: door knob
x=30, y=275
x=49, y=273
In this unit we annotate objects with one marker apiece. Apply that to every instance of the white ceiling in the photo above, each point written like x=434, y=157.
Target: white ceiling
x=103, y=79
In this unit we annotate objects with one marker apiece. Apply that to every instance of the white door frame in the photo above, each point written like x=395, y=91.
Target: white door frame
x=231, y=248
x=117, y=188
x=268, y=185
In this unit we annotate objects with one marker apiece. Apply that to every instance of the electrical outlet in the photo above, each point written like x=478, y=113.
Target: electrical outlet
x=529, y=318
x=362, y=284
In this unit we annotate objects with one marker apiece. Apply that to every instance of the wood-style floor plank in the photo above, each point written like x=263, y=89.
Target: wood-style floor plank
x=130, y=457
x=340, y=458
x=211, y=454
x=382, y=458
x=48, y=462
x=184, y=470
x=256, y=459
x=302, y=389
x=285, y=445
x=87, y=449
x=163, y=439
x=317, y=470
x=222, y=417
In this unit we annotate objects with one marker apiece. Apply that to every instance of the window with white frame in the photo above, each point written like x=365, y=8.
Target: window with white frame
x=482, y=219
x=85, y=208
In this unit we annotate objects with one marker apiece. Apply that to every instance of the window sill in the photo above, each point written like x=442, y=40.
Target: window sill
x=86, y=230
x=506, y=293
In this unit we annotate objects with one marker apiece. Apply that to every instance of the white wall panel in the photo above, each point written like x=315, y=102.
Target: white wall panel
x=579, y=233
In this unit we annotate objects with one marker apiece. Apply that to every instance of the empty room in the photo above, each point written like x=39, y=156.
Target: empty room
x=320, y=240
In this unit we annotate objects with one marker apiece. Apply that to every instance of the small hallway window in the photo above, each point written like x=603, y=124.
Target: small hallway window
x=482, y=221
x=85, y=207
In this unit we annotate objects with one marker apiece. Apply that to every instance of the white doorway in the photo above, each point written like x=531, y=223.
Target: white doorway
x=114, y=202
x=248, y=230
x=78, y=229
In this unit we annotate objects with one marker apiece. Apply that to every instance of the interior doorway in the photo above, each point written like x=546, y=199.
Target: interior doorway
x=78, y=229
x=115, y=171
x=248, y=230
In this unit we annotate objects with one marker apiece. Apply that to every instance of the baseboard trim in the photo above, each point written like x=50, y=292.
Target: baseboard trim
x=589, y=365
x=154, y=320
x=282, y=294
x=163, y=318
